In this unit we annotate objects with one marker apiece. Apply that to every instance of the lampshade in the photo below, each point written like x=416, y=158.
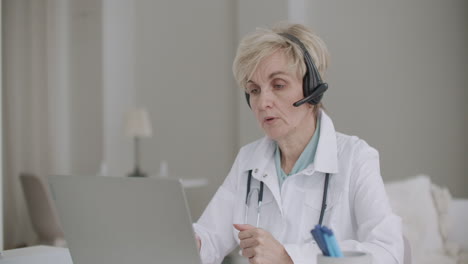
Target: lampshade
x=138, y=123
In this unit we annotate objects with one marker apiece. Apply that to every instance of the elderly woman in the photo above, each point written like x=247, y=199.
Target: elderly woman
x=302, y=172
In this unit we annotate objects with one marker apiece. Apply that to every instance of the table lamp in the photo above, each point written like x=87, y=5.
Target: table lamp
x=138, y=125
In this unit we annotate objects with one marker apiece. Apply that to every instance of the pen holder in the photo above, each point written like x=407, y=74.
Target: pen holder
x=349, y=257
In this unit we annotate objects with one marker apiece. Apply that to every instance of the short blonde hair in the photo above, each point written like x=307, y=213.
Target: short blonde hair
x=261, y=43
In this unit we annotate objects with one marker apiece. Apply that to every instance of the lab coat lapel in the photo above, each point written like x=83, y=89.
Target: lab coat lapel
x=326, y=161
x=326, y=156
x=264, y=169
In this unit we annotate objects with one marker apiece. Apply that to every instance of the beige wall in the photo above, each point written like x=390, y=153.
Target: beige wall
x=182, y=76
x=1, y=136
x=85, y=90
x=182, y=73
x=398, y=80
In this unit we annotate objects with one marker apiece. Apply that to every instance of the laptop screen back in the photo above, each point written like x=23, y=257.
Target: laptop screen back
x=111, y=220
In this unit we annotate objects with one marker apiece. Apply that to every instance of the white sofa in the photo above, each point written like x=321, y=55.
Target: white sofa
x=458, y=221
x=433, y=222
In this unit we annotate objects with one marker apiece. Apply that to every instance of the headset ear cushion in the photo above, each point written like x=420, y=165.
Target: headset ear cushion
x=247, y=97
x=306, y=85
x=318, y=92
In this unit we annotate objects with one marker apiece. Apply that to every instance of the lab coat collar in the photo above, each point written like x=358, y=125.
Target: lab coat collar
x=326, y=156
x=263, y=153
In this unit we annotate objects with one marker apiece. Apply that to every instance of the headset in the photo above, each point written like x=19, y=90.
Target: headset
x=312, y=84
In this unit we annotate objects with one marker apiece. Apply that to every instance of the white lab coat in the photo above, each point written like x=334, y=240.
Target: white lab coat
x=358, y=210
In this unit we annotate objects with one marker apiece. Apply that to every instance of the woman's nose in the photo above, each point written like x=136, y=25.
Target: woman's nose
x=265, y=99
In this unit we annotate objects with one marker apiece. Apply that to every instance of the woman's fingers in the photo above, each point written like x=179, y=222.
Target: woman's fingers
x=249, y=242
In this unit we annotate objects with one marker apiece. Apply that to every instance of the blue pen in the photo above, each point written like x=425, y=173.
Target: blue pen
x=317, y=234
x=329, y=245
x=336, y=245
x=331, y=242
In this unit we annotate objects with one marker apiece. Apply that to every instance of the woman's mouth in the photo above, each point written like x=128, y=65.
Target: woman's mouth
x=269, y=119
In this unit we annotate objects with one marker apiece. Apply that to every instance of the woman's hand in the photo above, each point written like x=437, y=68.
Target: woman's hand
x=198, y=241
x=259, y=246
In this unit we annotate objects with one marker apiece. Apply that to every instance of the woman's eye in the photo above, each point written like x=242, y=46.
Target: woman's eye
x=254, y=91
x=278, y=84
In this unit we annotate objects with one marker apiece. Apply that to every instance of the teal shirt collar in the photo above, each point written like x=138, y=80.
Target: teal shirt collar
x=306, y=158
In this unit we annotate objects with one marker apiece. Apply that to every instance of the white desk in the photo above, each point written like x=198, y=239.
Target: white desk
x=56, y=255
x=37, y=255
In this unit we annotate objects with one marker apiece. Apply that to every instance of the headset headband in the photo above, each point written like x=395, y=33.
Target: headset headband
x=307, y=58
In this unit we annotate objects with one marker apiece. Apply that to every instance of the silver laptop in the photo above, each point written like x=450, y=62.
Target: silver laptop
x=111, y=220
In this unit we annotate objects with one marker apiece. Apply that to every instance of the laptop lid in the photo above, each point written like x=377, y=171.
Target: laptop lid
x=113, y=220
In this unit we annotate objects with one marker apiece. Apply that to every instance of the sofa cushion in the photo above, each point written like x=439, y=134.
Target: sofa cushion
x=412, y=200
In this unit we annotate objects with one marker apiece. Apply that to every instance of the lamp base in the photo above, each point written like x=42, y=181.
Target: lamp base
x=137, y=173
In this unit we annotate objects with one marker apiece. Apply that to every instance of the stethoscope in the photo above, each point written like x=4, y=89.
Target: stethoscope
x=260, y=198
